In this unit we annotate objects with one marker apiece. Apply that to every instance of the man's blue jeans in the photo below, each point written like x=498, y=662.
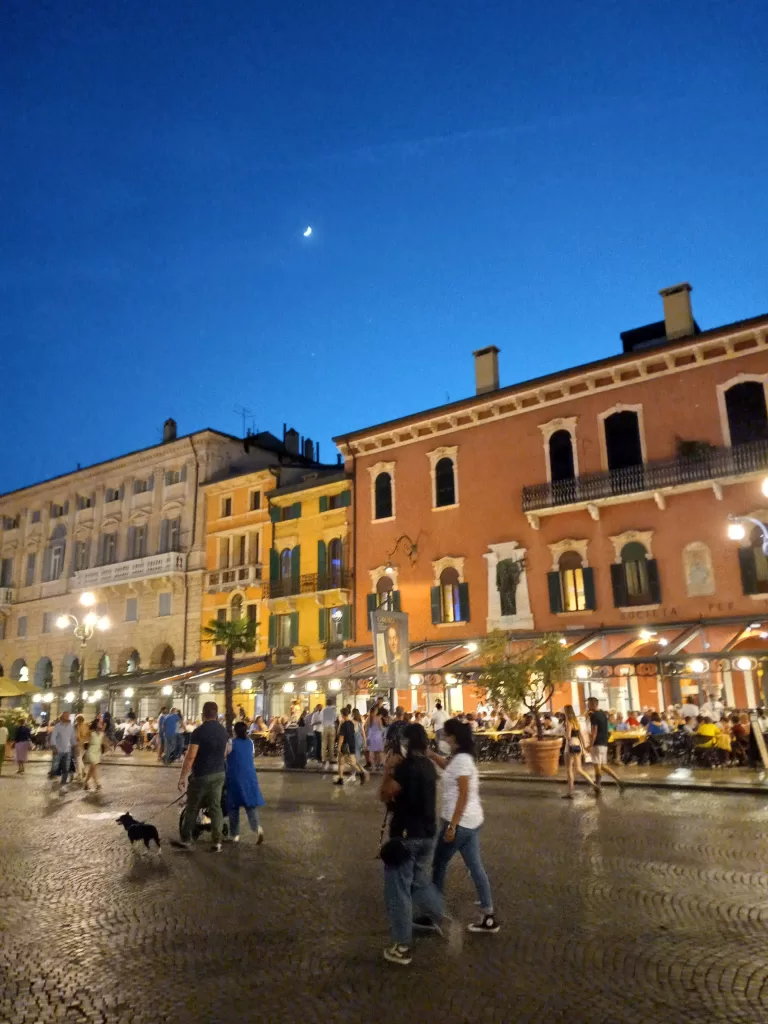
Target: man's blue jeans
x=467, y=843
x=60, y=766
x=409, y=891
x=172, y=747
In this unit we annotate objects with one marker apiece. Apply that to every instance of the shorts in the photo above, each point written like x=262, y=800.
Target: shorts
x=599, y=755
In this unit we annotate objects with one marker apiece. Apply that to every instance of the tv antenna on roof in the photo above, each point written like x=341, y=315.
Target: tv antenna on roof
x=245, y=414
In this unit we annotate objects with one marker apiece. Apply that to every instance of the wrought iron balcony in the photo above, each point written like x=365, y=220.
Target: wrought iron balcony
x=125, y=572
x=309, y=583
x=714, y=464
x=237, y=576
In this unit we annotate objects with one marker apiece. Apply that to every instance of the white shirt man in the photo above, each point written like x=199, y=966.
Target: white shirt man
x=713, y=709
x=689, y=710
x=439, y=718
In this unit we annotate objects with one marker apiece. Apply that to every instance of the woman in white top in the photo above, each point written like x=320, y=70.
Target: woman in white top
x=462, y=816
x=93, y=753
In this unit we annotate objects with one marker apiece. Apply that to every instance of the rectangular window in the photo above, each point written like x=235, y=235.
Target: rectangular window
x=254, y=549
x=572, y=583
x=57, y=562
x=226, y=507
x=290, y=512
x=164, y=604
x=132, y=609
x=81, y=555
x=112, y=494
x=47, y=622
x=170, y=535
x=175, y=476
x=21, y=626
x=36, y=516
x=137, y=541
x=284, y=631
x=108, y=548
x=221, y=616
x=57, y=511
x=255, y=502
x=242, y=549
x=6, y=572
x=29, y=578
x=2, y=628
x=10, y=522
x=84, y=502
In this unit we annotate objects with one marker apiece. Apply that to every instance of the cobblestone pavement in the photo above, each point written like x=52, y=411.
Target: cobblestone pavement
x=650, y=906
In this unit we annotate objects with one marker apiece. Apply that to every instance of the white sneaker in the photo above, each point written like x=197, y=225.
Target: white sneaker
x=260, y=836
x=235, y=839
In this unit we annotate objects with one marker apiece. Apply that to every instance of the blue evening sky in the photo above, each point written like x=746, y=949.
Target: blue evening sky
x=485, y=172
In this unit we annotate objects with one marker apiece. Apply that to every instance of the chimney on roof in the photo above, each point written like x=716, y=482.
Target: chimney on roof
x=678, y=315
x=309, y=450
x=486, y=370
x=291, y=440
x=169, y=431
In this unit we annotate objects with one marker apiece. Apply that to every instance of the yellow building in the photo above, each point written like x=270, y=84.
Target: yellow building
x=309, y=590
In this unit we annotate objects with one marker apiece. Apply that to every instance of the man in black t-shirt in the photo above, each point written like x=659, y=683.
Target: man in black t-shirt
x=346, y=750
x=598, y=722
x=205, y=764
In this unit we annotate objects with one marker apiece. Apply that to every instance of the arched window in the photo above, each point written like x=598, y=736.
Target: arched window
x=746, y=410
x=285, y=565
x=383, y=496
x=445, y=483
x=104, y=668
x=561, y=464
x=335, y=558
x=754, y=564
x=44, y=674
x=385, y=594
x=449, y=595
x=635, y=577
x=134, y=663
x=236, y=608
x=572, y=582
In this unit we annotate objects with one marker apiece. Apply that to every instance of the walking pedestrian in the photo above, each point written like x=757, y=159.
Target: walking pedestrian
x=574, y=751
x=393, y=738
x=161, y=733
x=359, y=724
x=62, y=743
x=409, y=789
x=243, y=785
x=3, y=741
x=92, y=755
x=174, y=737
x=439, y=718
x=316, y=722
x=328, y=720
x=462, y=818
x=375, y=738
x=82, y=737
x=22, y=743
x=110, y=739
x=598, y=749
x=346, y=750
x=205, y=766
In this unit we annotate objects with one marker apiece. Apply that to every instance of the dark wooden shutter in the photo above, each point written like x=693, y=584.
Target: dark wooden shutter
x=619, y=585
x=346, y=622
x=346, y=499
x=555, y=592
x=396, y=601
x=296, y=507
x=131, y=541
x=748, y=570
x=296, y=568
x=321, y=565
x=294, y=628
x=434, y=598
x=165, y=527
x=370, y=603
x=323, y=503
x=272, y=631
x=590, y=602
x=274, y=566
x=274, y=513
x=654, y=587
x=321, y=630
x=463, y=602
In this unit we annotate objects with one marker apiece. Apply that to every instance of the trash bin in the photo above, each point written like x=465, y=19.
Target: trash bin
x=295, y=748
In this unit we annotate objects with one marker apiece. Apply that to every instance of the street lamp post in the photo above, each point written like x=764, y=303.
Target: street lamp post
x=83, y=630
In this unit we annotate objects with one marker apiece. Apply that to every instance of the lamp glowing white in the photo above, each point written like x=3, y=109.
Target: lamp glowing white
x=736, y=531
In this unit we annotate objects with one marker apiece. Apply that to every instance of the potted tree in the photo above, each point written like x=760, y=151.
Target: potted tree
x=527, y=677
x=237, y=636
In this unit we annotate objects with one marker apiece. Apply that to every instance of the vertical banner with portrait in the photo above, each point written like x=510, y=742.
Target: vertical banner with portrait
x=390, y=645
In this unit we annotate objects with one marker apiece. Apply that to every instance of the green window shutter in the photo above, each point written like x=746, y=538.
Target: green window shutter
x=324, y=503
x=590, y=600
x=272, y=631
x=346, y=622
x=396, y=600
x=653, y=581
x=294, y=628
x=434, y=598
x=346, y=498
x=296, y=568
x=296, y=510
x=464, y=602
x=619, y=584
x=555, y=593
x=274, y=513
x=748, y=570
x=370, y=601
x=321, y=631
x=274, y=566
x=321, y=564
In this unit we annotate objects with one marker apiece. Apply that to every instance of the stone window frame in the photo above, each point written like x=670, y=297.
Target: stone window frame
x=444, y=452
x=383, y=467
x=565, y=545
x=448, y=562
x=620, y=540
x=378, y=572
x=567, y=423
x=621, y=407
x=740, y=378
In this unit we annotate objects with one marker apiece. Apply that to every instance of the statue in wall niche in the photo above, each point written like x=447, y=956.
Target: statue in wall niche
x=508, y=574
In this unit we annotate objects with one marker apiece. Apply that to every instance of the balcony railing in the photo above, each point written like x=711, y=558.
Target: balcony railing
x=137, y=569
x=715, y=464
x=239, y=575
x=7, y=596
x=310, y=583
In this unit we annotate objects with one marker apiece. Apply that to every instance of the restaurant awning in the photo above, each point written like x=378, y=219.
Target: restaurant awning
x=14, y=688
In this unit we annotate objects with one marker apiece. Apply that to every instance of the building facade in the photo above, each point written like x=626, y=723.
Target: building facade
x=593, y=503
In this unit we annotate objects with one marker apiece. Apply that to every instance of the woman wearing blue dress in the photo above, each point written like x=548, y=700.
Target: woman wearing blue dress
x=243, y=785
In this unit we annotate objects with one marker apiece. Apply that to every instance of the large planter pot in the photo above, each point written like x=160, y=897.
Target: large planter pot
x=542, y=756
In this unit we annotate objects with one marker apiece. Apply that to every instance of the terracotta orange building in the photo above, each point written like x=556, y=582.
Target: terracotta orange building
x=592, y=502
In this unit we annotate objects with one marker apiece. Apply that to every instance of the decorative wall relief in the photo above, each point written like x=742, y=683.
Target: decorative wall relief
x=509, y=605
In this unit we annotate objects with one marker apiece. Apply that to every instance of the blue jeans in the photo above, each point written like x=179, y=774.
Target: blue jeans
x=172, y=747
x=234, y=820
x=409, y=891
x=60, y=766
x=467, y=843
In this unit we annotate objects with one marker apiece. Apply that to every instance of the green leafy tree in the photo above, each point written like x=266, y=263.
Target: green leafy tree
x=235, y=637
x=527, y=676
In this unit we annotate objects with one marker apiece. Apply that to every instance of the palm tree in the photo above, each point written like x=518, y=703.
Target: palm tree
x=236, y=637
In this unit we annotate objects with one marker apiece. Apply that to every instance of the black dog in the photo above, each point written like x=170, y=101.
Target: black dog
x=139, y=831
